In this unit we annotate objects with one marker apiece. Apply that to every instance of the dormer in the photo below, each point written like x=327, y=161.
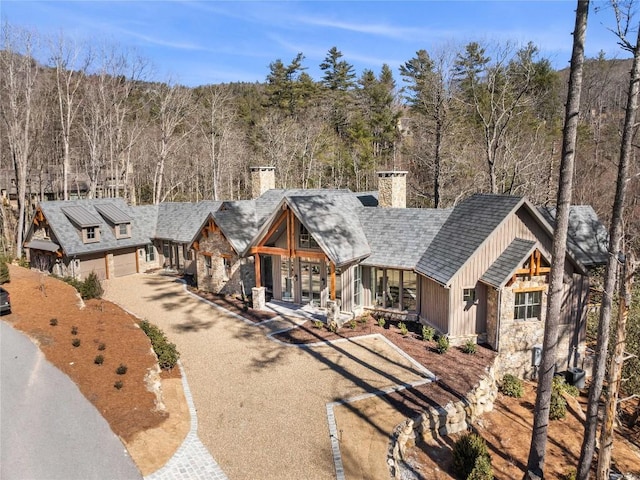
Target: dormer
x=119, y=221
x=86, y=221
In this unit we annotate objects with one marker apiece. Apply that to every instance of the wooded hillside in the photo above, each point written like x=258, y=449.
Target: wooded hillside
x=479, y=118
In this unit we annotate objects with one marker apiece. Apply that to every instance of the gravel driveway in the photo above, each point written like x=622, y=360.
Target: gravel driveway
x=262, y=406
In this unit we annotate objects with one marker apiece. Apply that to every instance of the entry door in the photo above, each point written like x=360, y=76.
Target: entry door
x=310, y=281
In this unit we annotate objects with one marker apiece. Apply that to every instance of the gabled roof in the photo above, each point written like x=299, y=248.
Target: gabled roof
x=508, y=262
x=333, y=222
x=470, y=223
x=237, y=221
x=587, y=238
x=398, y=237
x=67, y=231
x=181, y=221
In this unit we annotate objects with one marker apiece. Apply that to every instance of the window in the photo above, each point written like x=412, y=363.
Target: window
x=186, y=252
x=123, y=229
x=207, y=265
x=226, y=263
x=469, y=295
x=165, y=250
x=357, y=286
x=395, y=289
x=410, y=291
x=150, y=253
x=528, y=305
x=306, y=240
x=91, y=234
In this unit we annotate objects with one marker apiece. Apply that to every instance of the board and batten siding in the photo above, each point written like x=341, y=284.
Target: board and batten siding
x=434, y=304
x=472, y=319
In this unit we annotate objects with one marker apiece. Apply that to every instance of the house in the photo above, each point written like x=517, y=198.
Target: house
x=477, y=271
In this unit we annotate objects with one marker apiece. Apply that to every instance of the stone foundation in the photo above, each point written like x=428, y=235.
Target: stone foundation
x=259, y=298
x=441, y=421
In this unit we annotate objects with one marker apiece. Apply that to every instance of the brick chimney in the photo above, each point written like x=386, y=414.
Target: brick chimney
x=392, y=189
x=262, y=179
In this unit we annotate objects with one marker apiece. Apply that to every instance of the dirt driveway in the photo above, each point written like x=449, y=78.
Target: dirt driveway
x=262, y=406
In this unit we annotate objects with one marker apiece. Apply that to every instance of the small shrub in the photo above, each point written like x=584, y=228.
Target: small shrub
x=560, y=385
x=101, y=346
x=428, y=333
x=362, y=320
x=571, y=474
x=482, y=469
x=53, y=322
x=558, y=406
x=333, y=327
x=381, y=322
x=91, y=287
x=442, y=344
x=403, y=328
x=74, y=330
x=352, y=324
x=466, y=453
x=470, y=347
x=512, y=386
x=23, y=262
x=118, y=384
x=122, y=369
x=75, y=342
x=165, y=351
x=98, y=360
x=318, y=324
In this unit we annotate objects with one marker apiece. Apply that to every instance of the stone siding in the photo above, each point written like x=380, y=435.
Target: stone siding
x=441, y=421
x=222, y=280
x=392, y=189
x=262, y=179
x=517, y=338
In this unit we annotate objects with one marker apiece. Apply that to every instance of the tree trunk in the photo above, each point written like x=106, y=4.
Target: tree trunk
x=535, y=462
x=615, y=239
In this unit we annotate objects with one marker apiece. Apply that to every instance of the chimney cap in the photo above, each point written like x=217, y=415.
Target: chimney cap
x=261, y=169
x=393, y=173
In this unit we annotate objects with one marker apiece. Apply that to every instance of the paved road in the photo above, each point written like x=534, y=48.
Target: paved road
x=262, y=406
x=48, y=429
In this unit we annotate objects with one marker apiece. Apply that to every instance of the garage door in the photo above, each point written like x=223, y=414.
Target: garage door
x=95, y=263
x=124, y=263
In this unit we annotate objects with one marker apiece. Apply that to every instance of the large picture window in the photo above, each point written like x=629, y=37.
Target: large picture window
x=395, y=289
x=528, y=305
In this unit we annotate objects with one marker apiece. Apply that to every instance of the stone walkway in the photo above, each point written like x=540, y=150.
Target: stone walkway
x=192, y=461
x=264, y=408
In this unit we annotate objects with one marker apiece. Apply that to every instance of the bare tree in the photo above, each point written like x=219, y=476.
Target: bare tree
x=18, y=87
x=611, y=272
x=173, y=105
x=71, y=67
x=537, y=450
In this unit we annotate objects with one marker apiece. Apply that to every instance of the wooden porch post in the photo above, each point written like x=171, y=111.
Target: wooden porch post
x=256, y=265
x=332, y=281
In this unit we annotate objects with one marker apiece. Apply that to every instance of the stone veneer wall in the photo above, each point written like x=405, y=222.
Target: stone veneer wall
x=221, y=281
x=517, y=338
x=442, y=421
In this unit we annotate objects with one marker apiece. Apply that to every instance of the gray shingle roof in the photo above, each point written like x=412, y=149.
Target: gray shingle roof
x=467, y=227
x=46, y=245
x=180, y=222
x=399, y=237
x=237, y=220
x=332, y=220
x=587, y=237
x=69, y=235
x=508, y=262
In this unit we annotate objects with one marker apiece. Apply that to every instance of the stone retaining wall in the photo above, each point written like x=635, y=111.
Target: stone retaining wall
x=442, y=421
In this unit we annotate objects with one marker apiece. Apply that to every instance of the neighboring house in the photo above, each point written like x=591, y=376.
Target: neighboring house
x=477, y=271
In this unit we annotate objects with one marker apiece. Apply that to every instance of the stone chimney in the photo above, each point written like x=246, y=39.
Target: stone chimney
x=392, y=189
x=262, y=179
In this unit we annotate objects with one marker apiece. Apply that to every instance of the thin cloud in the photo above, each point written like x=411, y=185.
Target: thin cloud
x=372, y=29
x=161, y=42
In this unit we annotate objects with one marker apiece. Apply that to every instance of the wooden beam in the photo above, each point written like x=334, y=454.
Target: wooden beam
x=283, y=252
x=291, y=238
x=531, y=265
x=196, y=245
x=319, y=255
x=256, y=265
x=332, y=281
x=273, y=228
x=537, y=254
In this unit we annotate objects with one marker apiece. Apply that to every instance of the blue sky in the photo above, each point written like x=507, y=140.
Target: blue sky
x=201, y=42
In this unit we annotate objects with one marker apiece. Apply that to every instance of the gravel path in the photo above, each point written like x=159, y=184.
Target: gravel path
x=261, y=405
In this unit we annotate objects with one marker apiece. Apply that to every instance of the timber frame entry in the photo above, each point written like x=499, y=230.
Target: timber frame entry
x=291, y=251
